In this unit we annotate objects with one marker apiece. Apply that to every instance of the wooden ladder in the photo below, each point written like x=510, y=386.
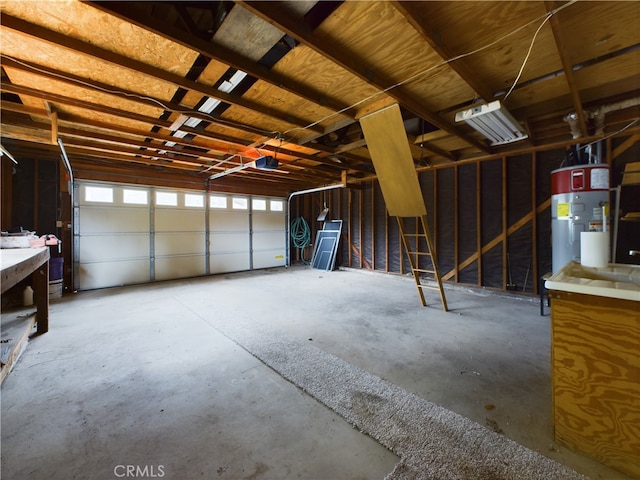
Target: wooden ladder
x=415, y=254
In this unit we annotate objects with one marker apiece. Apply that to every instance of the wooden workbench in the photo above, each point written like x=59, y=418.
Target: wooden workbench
x=17, y=264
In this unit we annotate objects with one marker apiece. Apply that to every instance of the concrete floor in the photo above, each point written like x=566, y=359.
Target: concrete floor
x=143, y=377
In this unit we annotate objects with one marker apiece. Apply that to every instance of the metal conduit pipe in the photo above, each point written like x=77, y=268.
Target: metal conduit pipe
x=302, y=192
x=72, y=188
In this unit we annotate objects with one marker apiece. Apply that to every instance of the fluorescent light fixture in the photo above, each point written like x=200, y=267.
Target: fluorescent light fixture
x=494, y=122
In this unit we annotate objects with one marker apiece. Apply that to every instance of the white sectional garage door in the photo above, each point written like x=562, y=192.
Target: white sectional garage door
x=267, y=224
x=130, y=234
x=179, y=234
x=112, y=237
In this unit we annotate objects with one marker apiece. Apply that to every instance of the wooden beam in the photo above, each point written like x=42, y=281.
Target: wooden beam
x=272, y=13
x=234, y=144
x=435, y=211
x=360, y=218
x=479, y=219
x=349, y=216
x=18, y=346
x=534, y=223
x=373, y=225
x=567, y=64
x=456, y=225
x=426, y=146
x=500, y=238
x=426, y=32
x=131, y=96
x=152, y=121
x=151, y=150
x=219, y=53
x=624, y=146
x=512, y=153
x=82, y=122
x=505, y=234
x=183, y=15
x=50, y=36
x=61, y=99
x=54, y=127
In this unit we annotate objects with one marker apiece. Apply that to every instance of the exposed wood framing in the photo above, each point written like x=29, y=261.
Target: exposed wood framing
x=479, y=220
x=567, y=65
x=504, y=237
x=271, y=13
x=456, y=224
x=534, y=223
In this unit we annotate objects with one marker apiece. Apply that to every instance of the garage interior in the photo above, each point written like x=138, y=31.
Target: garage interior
x=235, y=187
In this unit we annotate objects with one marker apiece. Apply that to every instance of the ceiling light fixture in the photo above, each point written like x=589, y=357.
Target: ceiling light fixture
x=494, y=122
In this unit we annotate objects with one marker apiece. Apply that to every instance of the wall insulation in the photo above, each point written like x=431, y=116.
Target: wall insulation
x=490, y=221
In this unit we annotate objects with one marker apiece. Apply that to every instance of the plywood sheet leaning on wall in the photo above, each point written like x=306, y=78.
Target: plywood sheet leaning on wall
x=389, y=149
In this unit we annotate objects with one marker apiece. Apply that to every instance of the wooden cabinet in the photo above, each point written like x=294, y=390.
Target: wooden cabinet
x=595, y=365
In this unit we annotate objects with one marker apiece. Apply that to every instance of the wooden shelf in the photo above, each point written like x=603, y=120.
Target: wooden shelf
x=631, y=174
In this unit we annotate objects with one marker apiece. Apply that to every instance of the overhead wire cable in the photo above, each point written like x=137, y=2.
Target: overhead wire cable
x=417, y=75
x=278, y=135
x=120, y=93
x=613, y=134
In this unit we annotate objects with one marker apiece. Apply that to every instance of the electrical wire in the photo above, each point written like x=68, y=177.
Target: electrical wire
x=187, y=111
x=300, y=235
x=618, y=132
x=281, y=136
x=526, y=58
x=545, y=19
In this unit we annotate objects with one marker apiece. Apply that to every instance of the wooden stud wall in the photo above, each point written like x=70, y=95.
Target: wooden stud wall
x=360, y=221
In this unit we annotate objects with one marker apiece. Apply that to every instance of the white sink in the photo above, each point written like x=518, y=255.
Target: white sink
x=615, y=280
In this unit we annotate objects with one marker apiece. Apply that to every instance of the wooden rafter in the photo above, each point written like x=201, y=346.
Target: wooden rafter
x=73, y=44
x=221, y=54
x=271, y=13
x=567, y=65
x=408, y=9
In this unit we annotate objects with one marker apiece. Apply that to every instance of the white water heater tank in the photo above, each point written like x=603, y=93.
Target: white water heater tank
x=576, y=192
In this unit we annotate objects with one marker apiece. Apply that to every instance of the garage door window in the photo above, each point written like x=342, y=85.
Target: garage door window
x=167, y=199
x=98, y=194
x=276, y=205
x=135, y=197
x=258, y=204
x=218, y=201
x=193, y=200
x=239, y=203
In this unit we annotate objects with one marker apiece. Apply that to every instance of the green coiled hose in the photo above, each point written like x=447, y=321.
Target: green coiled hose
x=300, y=235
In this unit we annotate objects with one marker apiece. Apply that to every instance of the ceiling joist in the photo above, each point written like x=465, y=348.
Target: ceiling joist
x=190, y=89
